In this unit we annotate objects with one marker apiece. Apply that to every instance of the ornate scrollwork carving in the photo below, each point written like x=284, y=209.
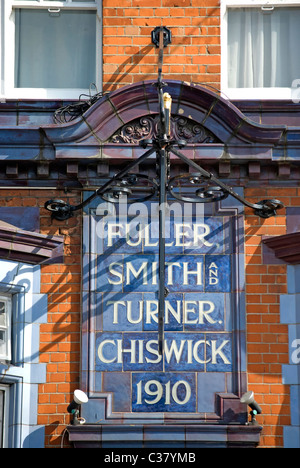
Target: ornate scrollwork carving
x=134, y=131
x=191, y=131
x=182, y=128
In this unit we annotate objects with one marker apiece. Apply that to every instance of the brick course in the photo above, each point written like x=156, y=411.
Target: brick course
x=129, y=55
x=267, y=339
x=60, y=337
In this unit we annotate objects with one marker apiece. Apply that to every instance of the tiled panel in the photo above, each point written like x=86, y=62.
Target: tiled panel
x=120, y=347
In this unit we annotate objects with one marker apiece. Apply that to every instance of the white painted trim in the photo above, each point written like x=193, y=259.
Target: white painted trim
x=7, y=43
x=7, y=329
x=251, y=93
x=58, y=4
x=5, y=422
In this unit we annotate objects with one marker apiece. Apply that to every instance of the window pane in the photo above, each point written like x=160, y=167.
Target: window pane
x=2, y=314
x=1, y=417
x=3, y=344
x=262, y=47
x=55, y=51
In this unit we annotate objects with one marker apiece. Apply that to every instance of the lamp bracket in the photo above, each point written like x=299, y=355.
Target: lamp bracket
x=167, y=36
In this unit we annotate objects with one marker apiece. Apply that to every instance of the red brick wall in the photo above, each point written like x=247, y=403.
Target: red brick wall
x=60, y=337
x=267, y=339
x=130, y=56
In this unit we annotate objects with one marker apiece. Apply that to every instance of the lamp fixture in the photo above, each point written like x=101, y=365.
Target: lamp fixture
x=138, y=187
x=248, y=399
x=74, y=408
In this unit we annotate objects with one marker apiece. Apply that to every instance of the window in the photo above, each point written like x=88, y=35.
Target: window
x=3, y=415
x=51, y=48
x=259, y=46
x=5, y=328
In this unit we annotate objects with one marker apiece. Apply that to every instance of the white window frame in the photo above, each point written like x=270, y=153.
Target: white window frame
x=7, y=47
x=291, y=93
x=5, y=389
x=8, y=328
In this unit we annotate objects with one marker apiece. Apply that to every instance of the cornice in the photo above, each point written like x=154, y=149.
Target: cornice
x=88, y=138
x=189, y=100
x=28, y=247
x=285, y=247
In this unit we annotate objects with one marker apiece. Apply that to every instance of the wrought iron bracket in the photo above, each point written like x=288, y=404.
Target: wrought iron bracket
x=167, y=36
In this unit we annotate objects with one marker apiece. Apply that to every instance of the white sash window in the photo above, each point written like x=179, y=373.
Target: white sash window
x=51, y=48
x=260, y=49
x=5, y=328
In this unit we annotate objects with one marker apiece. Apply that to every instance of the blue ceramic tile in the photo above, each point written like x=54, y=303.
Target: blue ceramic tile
x=122, y=235
x=120, y=385
x=109, y=273
x=140, y=352
x=171, y=229
x=96, y=311
x=123, y=311
x=38, y=309
x=173, y=312
x=98, y=383
x=293, y=279
x=94, y=411
x=204, y=236
x=217, y=273
x=208, y=384
x=204, y=312
x=140, y=273
x=295, y=405
x=185, y=273
x=219, y=352
x=288, y=308
x=291, y=437
x=164, y=392
x=107, y=355
x=184, y=352
x=35, y=437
